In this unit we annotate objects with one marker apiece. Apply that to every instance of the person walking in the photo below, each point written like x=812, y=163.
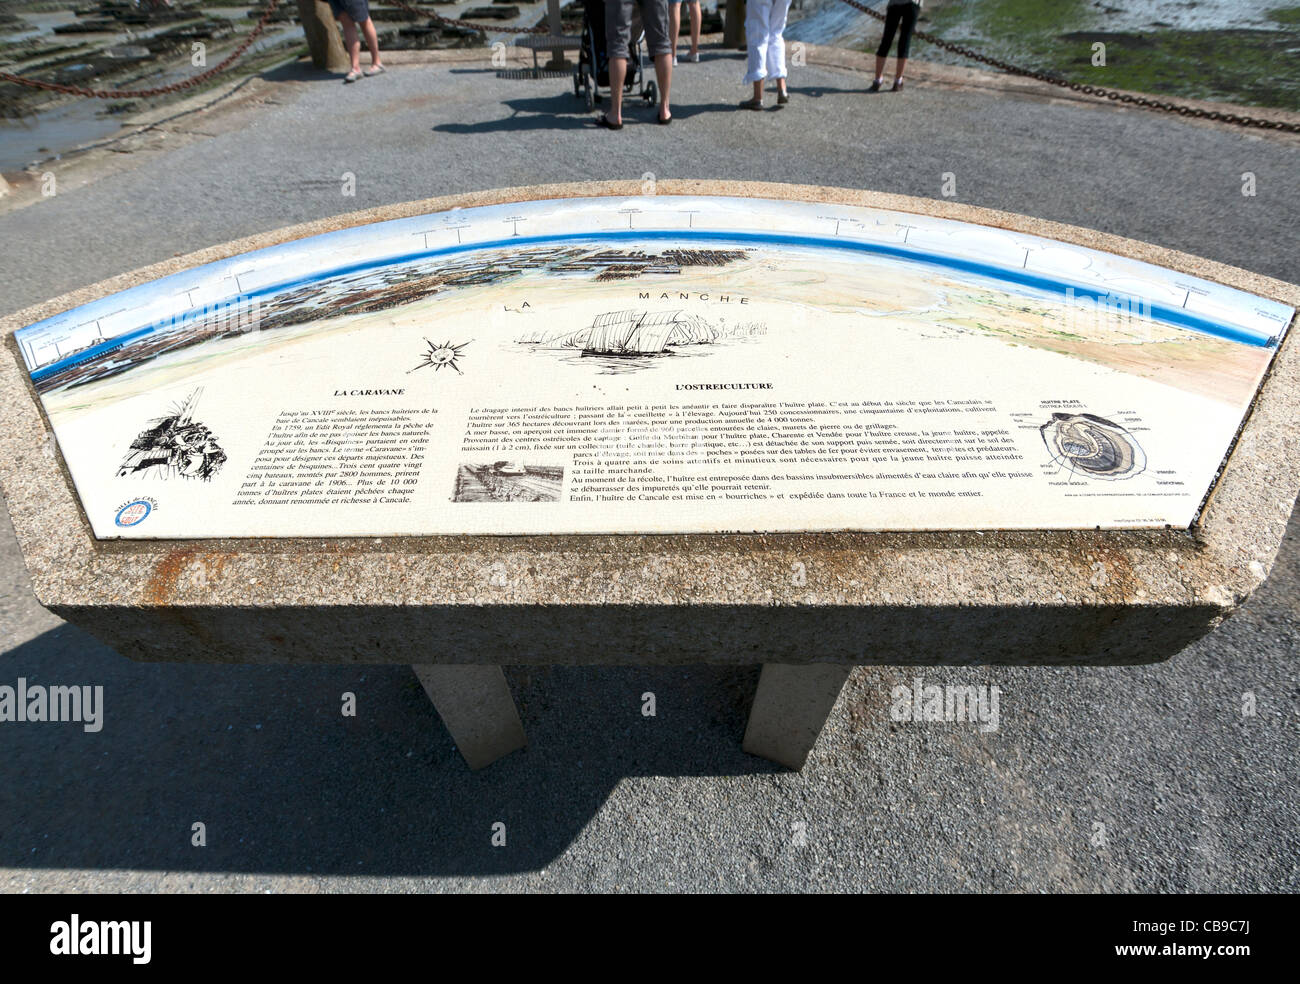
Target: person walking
x=900, y=16
x=697, y=18
x=354, y=14
x=618, y=36
x=764, y=35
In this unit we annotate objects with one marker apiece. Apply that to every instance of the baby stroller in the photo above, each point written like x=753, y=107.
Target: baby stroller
x=593, y=57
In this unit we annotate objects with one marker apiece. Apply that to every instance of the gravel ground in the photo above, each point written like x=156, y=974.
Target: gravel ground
x=1189, y=793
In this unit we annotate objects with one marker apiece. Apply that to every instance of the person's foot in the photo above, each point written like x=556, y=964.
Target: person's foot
x=898, y=85
x=875, y=86
x=375, y=70
x=751, y=104
x=352, y=76
x=782, y=97
x=694, y=56
x=674, y=59
x=605, y=123
x=661, y=119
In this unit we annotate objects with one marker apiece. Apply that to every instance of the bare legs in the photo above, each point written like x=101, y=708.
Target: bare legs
x=696, y=18
x=617, y=76
x=664, y=73
x=617, y=73
x=675, y=26
x=758, y=89
x=899, y=65
x=352, y=42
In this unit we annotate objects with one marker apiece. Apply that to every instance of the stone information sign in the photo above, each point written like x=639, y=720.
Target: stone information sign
x=662, y=364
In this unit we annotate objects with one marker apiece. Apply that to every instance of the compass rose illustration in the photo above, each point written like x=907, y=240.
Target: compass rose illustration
x=441, y=356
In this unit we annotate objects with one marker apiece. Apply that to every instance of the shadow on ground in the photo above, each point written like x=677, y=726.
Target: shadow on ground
x=284, y=783
x=302, y=71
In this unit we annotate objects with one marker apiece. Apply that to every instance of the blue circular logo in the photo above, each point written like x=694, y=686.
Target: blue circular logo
x=133, y=513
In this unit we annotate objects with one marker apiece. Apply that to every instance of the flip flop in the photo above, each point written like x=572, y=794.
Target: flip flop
x=603, y=122
x=662, y=121
x=374, y=70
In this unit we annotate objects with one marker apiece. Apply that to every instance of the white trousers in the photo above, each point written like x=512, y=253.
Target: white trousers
x=764, y=24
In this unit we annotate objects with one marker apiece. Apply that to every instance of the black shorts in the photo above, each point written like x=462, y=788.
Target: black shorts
x=358, y=10
x=899, y=15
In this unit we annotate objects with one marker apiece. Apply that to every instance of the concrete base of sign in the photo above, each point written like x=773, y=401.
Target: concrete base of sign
x=1099, y=597
x=474, y=703
x=790, y=708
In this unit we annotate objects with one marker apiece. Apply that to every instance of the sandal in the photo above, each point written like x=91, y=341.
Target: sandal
x=603, y=122
x=374, y=70
x=351, y=77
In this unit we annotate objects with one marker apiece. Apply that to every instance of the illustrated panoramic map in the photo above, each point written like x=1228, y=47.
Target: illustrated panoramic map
x=653, y=364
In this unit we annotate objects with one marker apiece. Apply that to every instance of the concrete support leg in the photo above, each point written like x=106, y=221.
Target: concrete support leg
x=474, y=703
x=790, y=707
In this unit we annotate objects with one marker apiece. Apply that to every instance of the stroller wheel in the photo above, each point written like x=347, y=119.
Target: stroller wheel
x=651, y=93
x=577, y=84
x=591, y=98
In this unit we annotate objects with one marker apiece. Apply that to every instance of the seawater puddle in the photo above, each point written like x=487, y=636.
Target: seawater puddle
x=59, y=129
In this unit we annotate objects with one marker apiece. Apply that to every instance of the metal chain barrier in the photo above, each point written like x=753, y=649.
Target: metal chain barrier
x=234, y=56
x=76, y=90
x=1091, y=90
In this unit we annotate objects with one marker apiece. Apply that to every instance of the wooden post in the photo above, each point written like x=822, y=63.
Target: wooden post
x=733, y=25
x=323, y=38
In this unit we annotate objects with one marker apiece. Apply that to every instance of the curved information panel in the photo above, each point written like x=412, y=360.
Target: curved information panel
x=652, y=365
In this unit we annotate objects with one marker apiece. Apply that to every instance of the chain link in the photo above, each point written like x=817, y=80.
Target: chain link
x=234, y=56
x=1092, y=90
x=193, y=80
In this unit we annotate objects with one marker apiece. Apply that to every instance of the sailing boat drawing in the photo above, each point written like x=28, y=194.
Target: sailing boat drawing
x=175, y=446
x=624, y=341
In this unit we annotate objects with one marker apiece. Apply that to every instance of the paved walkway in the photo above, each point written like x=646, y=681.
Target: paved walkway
x=1192, y=795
